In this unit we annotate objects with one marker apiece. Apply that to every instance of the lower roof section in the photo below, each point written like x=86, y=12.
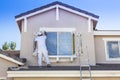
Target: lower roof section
x=67, y=68
x=100, y=70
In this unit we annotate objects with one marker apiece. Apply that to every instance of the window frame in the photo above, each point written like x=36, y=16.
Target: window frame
x=106, y=40
x=58, y=44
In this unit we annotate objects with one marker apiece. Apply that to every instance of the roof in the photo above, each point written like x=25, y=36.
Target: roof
x=59, y=3
x=52, y=68
x=56, y=5
x=100, y=70
x=11, y=58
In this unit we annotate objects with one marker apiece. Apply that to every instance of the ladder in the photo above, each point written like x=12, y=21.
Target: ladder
x=80, y=52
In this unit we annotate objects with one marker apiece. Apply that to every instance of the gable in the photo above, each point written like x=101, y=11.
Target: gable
x=57, y=6
x=61, y=5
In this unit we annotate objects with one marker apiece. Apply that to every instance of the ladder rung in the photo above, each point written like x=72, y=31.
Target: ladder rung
x=86, y=65
x=86, y=79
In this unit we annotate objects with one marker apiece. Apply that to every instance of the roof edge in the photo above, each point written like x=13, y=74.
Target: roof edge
x=11, y=59
x=36, y=9
x=107, y=33
x=59, y=3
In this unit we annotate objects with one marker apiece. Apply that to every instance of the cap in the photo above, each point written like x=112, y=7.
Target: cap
x=39, y=33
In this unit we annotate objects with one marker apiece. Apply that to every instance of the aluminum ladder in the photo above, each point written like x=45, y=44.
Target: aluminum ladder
x=87, y=66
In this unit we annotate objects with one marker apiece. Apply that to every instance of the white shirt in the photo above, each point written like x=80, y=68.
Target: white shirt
x=41, y=42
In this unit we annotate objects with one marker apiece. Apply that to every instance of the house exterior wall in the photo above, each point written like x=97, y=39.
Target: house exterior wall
x=66, y=20
x=100, y=49
x=4, y=64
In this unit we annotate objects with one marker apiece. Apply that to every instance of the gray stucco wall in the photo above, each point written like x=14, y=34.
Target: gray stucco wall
x=66, y=20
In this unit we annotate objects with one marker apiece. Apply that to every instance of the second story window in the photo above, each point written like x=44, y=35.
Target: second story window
x=60, y=43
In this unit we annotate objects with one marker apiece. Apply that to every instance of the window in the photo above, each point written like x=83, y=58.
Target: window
x=60, y=43
x=51, y=43
x=112, y=48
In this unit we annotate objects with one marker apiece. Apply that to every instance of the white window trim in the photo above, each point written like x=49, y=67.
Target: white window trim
x=57, y=47
x=57, y=57
x=72, y=30
x=106, y=50
x=57, y=29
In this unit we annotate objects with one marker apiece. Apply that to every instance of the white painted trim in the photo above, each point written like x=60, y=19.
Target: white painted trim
x=70, y=73
x=106, y=50
x=119, y=47
x=22, y=27
x=25, y=24
x=3, y=78
x=35, y=13
x=89, y=25
x=71, y=58
x=57, y=13
x=111, y=39
x=65, y=58
x=97, y=33
x=57, y=29
x=76, y=12
x=57, y=47
x=60, y=6
x=10, y=59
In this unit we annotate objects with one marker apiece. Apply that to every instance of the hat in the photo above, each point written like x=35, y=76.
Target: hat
x=39, y=33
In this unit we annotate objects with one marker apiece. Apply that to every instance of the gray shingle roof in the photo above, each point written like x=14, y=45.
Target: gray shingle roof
x=100, y=67
x=54, y=3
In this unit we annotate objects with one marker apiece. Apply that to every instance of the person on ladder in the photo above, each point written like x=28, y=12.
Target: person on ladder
x=40, y=46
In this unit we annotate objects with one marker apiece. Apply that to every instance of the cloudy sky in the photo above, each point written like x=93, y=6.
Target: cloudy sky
x=108, y=10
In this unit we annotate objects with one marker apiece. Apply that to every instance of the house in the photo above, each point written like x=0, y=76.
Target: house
x=72, y=40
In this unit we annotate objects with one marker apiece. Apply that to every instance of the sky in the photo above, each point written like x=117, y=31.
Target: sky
x=107, y=10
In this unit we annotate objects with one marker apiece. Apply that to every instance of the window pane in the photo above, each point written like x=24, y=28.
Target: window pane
x=113, y=49
x=51, y=43
x=65, y=43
